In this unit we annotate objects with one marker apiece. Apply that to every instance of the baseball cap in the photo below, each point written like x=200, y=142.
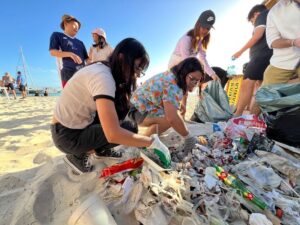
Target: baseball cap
x=68, y=18
x=207, y=19
x=100, y=32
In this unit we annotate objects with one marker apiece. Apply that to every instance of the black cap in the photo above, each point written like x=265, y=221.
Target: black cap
x=207, y=19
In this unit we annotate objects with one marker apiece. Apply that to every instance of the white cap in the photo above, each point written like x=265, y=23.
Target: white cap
x=100, y=32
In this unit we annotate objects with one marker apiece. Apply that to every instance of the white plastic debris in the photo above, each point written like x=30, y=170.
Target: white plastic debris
x=259, y=219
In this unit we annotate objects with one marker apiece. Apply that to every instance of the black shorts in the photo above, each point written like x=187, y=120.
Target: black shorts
x=10, y=86
x=22, y=87
x=66, y=74
x=256, y=67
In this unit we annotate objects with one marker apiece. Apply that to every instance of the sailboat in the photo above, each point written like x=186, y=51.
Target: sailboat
x=31, y=87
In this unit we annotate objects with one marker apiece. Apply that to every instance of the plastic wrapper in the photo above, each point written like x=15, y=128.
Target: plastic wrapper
x=128, y=165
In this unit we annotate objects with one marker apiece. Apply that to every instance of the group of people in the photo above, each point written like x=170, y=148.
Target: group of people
x=9, y=82
x=101, y=106
x=274, y=50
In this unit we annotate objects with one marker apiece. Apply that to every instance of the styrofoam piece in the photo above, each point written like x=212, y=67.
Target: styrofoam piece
x=92, y=211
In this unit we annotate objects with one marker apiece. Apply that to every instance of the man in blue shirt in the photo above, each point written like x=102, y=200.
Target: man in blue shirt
x=70, y=49
x=21, y=82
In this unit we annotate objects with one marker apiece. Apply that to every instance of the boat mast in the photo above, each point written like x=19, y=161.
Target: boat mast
x=26, y=70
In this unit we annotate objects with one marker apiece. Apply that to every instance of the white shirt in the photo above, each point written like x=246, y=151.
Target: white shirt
x=284, y=22
x=76, y=106
x=98, y=54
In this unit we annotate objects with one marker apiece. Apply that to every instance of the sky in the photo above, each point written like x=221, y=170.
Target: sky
x=157, y=24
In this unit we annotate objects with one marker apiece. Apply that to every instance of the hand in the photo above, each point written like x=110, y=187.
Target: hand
x=75, y=58
x=189, y=144
x=161, y=151
x=236, y=55
x=297, y=42
x=215, y=77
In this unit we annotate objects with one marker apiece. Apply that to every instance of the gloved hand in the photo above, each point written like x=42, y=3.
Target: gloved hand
x=161, y=151
x=189, y=144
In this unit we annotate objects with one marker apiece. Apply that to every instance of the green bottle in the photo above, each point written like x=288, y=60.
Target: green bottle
x=235, y=183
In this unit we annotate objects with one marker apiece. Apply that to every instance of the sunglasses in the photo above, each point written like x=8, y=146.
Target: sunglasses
x=194, y=80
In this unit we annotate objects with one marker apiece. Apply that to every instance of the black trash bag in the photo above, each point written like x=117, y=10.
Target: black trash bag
x=284, y=125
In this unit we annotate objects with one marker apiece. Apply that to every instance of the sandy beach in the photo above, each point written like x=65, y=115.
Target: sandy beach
x=35, y=187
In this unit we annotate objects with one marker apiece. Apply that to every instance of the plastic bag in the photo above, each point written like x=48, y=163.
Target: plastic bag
x=259, y=219
x=278, y=96
x=214, y=106
x=284, y=126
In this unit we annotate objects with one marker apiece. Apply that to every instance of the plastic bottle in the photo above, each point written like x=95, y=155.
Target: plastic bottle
x=235, y=183
x=231, y=69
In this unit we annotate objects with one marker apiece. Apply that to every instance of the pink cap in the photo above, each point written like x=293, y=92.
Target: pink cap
x=100, y=32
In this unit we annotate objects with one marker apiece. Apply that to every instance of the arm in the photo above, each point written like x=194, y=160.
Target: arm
x=112, y=130
x=174, y=119
x=285, y=43
x=202, y=58
x=185, y=47
x=89, y=60
x=274, y=38
x=183, y=105
x=61, y=54
x=257, y=35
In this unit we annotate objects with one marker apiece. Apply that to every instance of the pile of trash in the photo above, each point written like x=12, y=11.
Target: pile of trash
x=234, y=175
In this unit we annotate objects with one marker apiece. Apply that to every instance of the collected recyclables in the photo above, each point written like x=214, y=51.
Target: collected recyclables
x=280, y=105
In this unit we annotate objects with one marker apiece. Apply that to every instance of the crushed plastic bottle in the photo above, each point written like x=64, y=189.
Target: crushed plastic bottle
x=231, y=69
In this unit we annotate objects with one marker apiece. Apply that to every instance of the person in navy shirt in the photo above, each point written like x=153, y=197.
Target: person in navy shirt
x=70, y=49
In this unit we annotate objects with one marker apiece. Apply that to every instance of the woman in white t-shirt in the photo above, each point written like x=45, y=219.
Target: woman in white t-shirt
x=100, y=50
x=102, y=91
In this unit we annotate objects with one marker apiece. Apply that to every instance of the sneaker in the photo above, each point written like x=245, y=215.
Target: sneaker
x=79, y=165
x=108, y=153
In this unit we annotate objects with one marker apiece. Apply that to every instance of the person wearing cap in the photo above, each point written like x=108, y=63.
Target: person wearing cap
x=101, y=50
x=194, y=44
x=260, y=55
x=67, y=47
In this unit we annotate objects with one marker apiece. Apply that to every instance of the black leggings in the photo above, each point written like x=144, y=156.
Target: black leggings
x=80, y=141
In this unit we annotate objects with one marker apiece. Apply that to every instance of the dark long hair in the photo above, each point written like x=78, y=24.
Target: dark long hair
x=195, y=35
x=122, y=67
x=185, y=67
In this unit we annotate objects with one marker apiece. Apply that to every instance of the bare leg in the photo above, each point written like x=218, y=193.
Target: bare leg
x=257, y=86
x=153, y=124
x=14, y=93
x=245, y=96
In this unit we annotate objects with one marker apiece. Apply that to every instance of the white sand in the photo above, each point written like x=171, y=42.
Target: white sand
x=35, y=187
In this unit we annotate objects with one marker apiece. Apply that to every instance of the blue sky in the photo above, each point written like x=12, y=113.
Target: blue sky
x=158, y=24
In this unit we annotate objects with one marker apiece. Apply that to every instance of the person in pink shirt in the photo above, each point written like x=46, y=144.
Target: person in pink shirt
x=194, y=44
